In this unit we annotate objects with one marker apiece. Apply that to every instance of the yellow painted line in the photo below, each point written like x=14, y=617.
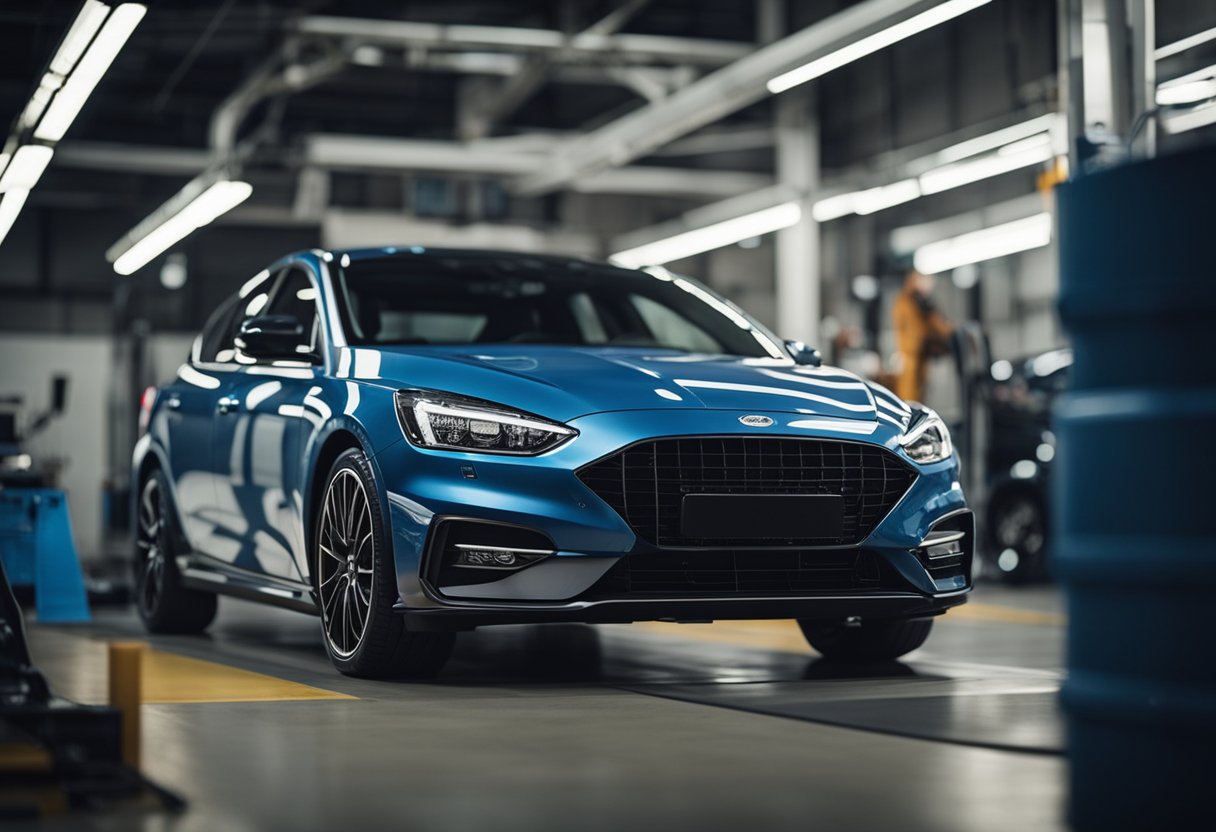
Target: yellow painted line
x=785, y=636
x=1006, y=615
x=770, y=635
x=76, y=668
x=172, y=679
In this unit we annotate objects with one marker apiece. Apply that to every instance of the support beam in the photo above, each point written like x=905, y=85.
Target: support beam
x=798, y=271
x=627, y=48
x=504, y=157
x=492, y=157
x=716, y=95
x=516, y=90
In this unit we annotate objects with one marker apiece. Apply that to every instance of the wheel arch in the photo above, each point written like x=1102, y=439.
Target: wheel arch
x=341, y=437
x=148, y=458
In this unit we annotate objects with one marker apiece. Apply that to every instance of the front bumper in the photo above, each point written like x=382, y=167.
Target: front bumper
x=423, y=488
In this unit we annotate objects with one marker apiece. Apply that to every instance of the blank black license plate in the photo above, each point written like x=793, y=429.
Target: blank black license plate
x=762, y=516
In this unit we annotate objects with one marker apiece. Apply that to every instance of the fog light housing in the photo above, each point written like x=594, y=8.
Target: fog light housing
x=470, y=555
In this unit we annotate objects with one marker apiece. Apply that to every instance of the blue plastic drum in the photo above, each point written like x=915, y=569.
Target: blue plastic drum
x=1135, y=505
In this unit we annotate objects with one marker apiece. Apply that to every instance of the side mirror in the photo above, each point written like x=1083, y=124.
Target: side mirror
x=274, y=336
x=804, y=354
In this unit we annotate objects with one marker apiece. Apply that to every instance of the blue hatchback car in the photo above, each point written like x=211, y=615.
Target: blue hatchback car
x=412, y=442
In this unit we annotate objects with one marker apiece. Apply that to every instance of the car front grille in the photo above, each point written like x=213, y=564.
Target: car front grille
x=646, y=483
x=734, y=572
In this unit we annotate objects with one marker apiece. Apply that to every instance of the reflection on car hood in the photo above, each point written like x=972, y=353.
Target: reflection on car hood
x=567, y=382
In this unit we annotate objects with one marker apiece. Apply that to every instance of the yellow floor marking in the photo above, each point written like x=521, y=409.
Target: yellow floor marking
x=76, y=668
x=786, y=637
x=772, y=635
x=1007, y=615
x=169, y=678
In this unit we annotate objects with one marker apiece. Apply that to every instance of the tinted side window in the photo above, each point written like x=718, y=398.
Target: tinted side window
x=296, y=296
x=216, y=335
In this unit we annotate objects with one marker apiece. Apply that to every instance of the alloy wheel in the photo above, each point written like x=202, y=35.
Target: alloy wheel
x=345, y=563
x=151, y=544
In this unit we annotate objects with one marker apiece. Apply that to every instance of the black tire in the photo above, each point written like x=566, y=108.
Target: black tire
x=1017, y=532
x=882, y=640
x=356, y=583
x=164, y=605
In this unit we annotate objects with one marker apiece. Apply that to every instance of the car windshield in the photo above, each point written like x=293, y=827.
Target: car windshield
x=497, y=299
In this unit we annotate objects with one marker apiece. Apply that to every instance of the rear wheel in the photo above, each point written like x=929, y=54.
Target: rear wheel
x=164, y=605
x=881, y=640
x=356, y=583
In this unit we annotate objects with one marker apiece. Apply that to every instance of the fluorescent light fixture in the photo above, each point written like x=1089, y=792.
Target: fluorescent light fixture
x=835, y=207
x=1020, y=154
x=1191, y=119
x=79, y=34
x=26, y=167
x=10, y=207
x=1192, y=92
x=1020, y=145
x=998, y=138
x=1191, y=88
x=986, y=244
x=88, y=72
x=42, y=96
x=218, y=199
x=868, y=45
x=886, y=196
x=1185, y=44
x=710, y=237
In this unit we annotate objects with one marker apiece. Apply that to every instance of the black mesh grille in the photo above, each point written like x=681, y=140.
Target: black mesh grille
x=743, y=572
x=646, y=483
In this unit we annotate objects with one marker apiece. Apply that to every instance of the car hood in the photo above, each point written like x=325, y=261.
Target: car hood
x=564, y=383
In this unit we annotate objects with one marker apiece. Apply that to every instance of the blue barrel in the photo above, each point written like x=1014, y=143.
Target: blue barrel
x=1135, y=505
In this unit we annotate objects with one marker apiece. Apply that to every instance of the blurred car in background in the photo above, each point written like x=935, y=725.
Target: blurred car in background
x=1017, y=519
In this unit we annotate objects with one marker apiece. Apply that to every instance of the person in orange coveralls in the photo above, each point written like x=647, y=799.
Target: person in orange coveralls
x=921, y=333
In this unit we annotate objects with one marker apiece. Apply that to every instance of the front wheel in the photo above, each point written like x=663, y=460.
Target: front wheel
x=356, y=584
x=881, y=640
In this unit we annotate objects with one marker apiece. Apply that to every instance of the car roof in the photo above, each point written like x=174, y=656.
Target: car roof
x=416, y=251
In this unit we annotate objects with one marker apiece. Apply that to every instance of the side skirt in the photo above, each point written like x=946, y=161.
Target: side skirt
x=207, y=576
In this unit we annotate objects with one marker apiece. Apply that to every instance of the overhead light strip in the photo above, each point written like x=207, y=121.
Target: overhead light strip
x=987, y=244
x=1002, y=151
x=873, y=43
x=1191, y=119
x=10, y=207
x=1021, y=154
x=25, y=168
x=88, y=72
x=218, y=199
x=1183, y=45
x=80, y=33
x=710, y=237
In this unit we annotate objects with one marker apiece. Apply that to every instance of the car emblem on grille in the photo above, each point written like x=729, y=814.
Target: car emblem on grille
x=756, y=421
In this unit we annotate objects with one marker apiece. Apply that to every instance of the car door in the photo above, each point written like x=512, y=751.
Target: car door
x=188, y=405
x=256, y=442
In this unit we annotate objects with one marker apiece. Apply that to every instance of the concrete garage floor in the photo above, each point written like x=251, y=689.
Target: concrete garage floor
x=568, y=727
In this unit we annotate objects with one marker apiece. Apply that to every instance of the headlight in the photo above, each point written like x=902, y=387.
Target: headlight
x=441, y=420
x=928, y=440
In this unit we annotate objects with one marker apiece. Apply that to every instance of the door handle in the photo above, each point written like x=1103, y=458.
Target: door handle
x=227, y=404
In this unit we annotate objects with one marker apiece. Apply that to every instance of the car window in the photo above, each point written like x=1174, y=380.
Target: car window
x=475, y=298
x=216, y=336
x=666, y=326
x=295, y=295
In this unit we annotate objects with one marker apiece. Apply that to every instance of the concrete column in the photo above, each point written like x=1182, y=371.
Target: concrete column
x=797, y=285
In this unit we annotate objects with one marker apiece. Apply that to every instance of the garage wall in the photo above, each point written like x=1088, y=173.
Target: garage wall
x=78, y=438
